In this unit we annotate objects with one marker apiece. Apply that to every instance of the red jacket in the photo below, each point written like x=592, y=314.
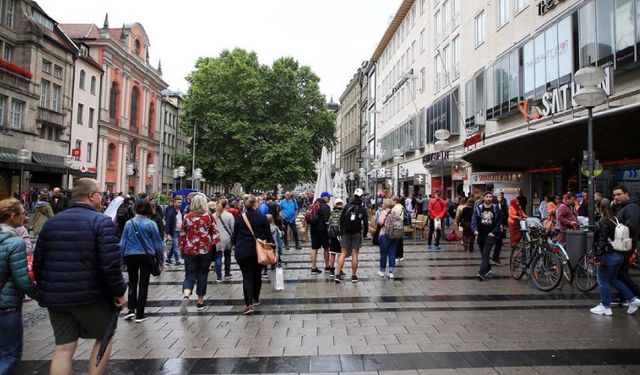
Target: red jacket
x=437, y=208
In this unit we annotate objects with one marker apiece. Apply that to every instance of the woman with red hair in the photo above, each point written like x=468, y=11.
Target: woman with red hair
x=515, y=215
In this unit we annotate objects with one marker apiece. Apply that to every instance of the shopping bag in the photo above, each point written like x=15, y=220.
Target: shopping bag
x=437, y=224
x=277, y=279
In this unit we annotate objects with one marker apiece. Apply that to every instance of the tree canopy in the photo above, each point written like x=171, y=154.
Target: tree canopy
x=257, y=125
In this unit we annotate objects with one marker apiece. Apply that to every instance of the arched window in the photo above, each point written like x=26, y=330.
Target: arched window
x=111, y=152
x=152, y=117
x=93, y=85
x=81, y=80
x=133, y=118
x=137, y=47
x=113, y=101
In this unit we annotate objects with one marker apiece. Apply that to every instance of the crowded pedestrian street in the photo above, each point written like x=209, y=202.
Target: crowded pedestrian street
x=433, y=318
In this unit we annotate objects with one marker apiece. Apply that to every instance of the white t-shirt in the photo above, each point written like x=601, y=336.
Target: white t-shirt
x=178, y=221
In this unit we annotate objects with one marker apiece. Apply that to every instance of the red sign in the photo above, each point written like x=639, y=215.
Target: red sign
x=472, y=140
x=75, y=152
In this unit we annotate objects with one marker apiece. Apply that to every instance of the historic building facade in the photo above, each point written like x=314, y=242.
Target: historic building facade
x=129, y=119
x=349, y=135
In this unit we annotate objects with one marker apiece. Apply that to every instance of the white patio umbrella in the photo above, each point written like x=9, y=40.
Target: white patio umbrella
x=323, y=183
x=339, y=185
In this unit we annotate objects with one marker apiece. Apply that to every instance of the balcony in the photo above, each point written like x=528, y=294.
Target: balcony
x=15, y=81
x=51, y=117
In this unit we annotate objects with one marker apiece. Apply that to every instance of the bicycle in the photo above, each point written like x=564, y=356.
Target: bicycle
x=532, y=254
x=587, y=272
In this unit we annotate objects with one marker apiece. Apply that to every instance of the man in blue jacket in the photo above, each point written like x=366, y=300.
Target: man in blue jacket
x=77, y=264
x=173, y=221
x=289, y=211
x=486, y=222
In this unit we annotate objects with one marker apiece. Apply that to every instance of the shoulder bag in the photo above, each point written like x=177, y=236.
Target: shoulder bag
x=265, y=251
x=155, y=265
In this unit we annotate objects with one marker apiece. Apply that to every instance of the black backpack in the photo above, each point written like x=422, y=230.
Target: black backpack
x=333, y=229
x=352, y=219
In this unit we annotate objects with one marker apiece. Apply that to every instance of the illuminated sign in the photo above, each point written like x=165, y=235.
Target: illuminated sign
x=545, y=6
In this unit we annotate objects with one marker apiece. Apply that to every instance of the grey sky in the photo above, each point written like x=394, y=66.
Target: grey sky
x=331, y=36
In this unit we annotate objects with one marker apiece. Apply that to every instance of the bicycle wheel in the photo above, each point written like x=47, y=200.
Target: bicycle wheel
x=586, y=275
x=517, y=264
x=567, y=272
x=546, y=271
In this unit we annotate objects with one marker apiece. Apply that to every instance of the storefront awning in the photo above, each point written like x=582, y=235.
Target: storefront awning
x=615, y=134
x=48, y=160
x=9, y=155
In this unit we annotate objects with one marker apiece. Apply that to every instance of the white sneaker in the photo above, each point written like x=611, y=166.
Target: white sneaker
x=601, y=310
x=390, y=275
x=380, y=274
x=633, y=306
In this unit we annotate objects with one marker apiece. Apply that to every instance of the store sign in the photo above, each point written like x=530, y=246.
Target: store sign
x=545, y=6
x=85, y=169
x=559, y=99
x=487, y=177
x=472, y=140
x=436, y=156
x=419, y=179
x=458, y=174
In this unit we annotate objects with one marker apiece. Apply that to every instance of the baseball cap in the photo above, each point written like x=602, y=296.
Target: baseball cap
x=358, y=192
x=326, y=194
x=338, y=201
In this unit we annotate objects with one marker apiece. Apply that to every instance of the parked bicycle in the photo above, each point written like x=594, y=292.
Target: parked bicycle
x=534, y=256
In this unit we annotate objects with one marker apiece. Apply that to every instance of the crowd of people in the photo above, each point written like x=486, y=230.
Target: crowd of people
x=76, y=268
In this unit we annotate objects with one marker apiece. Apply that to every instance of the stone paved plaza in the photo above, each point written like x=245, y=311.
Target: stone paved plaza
x=434, y=318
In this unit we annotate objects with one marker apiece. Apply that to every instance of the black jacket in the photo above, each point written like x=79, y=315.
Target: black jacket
x=170, y=220
x=319, y=225
x=77, y=259
x=355, y=207
x=59, y=206
x=629, y=214
x=245, y=244
x=158, y=218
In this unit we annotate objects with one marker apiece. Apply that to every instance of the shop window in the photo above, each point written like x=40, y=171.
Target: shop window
x=587, y=35
x=605, y=26
x=624, y=32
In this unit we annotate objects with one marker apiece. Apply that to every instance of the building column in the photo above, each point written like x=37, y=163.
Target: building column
x=123, y=102
x=120, y=165
x=145, y=111
x=143, y=170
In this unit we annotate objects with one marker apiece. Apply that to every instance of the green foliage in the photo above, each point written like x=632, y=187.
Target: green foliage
x=257, y=125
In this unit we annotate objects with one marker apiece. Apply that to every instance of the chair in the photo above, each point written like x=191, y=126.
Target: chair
x=421, y=225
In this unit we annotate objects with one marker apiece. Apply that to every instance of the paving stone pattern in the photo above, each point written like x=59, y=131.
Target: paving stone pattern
x=434, y=318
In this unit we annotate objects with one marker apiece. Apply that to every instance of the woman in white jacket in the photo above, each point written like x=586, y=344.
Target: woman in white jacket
x=225, y=222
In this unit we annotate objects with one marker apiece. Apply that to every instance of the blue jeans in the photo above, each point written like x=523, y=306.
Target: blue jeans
x=227, y=263
x=10, y=340
x=174, y=247
x=196, y=269
x=608, y=277
x=387, y=250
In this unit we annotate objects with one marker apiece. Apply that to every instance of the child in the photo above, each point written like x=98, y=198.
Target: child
x=277, y=237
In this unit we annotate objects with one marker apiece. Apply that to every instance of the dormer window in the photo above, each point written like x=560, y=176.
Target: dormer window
x=137, y=47
x=43, y=20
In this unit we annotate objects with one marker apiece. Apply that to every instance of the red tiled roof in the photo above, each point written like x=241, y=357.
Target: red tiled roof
x=80, y=30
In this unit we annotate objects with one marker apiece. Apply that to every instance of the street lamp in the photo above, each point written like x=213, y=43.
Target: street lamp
x=151, y=170
x=23, y=155
x=175, y=178
x=442, y=136
x=589, y=95
x=397, y=159
x=68, y=162
x=197, y=175
x=181, y=174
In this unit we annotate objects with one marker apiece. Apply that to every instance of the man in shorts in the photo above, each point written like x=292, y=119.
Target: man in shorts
x=354, y=225
x=318, y=231
x=77, y=264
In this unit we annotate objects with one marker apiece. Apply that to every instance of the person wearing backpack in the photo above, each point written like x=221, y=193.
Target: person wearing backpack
x=627, y=211
x=333, y=230
x=437, y=212
x=406, y=221
x=354, y=226
x=318, y=218
x=487, y=226
x=610, y=264
x=391, y=232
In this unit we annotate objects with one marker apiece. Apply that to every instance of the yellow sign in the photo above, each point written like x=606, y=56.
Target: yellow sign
x=597, y=170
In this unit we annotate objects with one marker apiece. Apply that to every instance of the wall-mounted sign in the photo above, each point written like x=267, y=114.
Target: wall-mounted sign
x=458, y=174
x=436, y=156
x=487, y=177
x=419, y=179
x=545, y=6
x=473, y=139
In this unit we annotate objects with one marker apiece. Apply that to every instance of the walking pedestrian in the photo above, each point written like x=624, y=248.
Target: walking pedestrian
x=627, y=211
x=318, y=230
x=43, y=213
x=289, y=212
x=387, y=245
x=199, y=237
x=610, y=265
x=140, y=245
x=225, y=223
x=515, y=215
x=173, y=226
x=399, y=245
x=487, y=225
x=437, y=212
x=503, y=206
x=14, y=283
x=335, y=235
x=468, y=236
x=58, y=201
x=79, y=277
x=247, y=228
x=354, y=226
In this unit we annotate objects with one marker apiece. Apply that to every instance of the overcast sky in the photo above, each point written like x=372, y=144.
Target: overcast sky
x=331, y=36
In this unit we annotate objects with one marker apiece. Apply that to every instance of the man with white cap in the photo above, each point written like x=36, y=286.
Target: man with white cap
x=354, y=224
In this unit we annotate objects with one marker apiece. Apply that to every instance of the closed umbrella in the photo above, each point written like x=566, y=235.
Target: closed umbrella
x=109, y=331
x=324, y=183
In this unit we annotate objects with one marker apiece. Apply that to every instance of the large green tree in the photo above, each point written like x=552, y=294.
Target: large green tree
x=256, y=125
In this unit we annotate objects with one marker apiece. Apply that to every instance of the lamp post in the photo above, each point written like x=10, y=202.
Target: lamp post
x=68, y=162
x=151, y=170
x=181, y=174
x=23, y=155
x=589, y=95
x=397, y=159
x=197, y=175
x=442, y=136
x=175, y=178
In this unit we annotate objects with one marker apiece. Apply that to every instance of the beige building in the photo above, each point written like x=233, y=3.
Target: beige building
x=498, y=76
x=36, y=78
x=349, y=132
x=172, y=139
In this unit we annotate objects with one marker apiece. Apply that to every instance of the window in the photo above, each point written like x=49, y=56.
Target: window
x=133, y=123
x=436, y=70
x=91, y=117
x=93, y=85
x=43, y=20
x=57, y=71
x=46, y=66
x=520, y=4
x=45, y=88
x=422, y=6
x=445, y=16
x=3, y=104
x=423, y=79
x=455, y=58
x=8, y=20
x=79, y=147
x=446, y=61
x=413, y=52
x=17, y=112
x=423, y=41
x=503, y=12
x=8, y=52
x=605, y=26
x=479, y=29
x=56, y=104
x=113, y=101
x=437, y=26
x=89, y=151
x=111, y=152
x=79, y=114
x=81, y=79
x=455, y=12
x=624, y=32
